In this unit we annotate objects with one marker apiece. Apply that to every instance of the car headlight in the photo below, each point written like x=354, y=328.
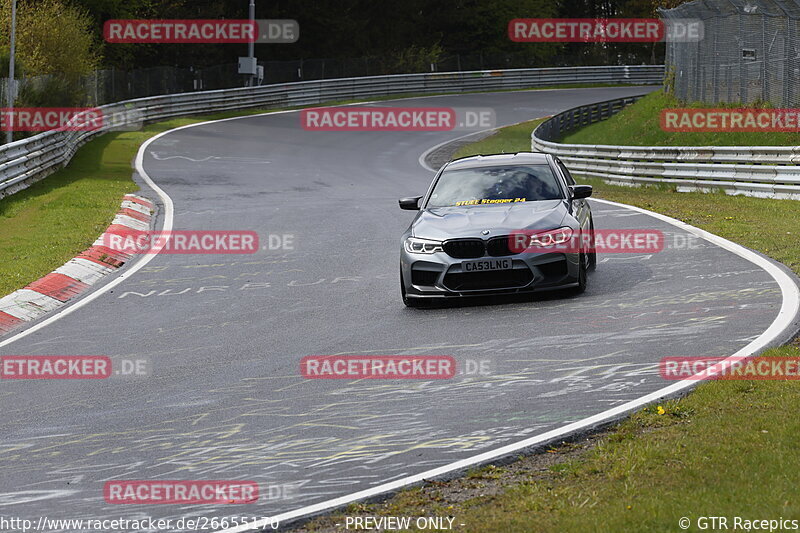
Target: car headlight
x=414, y=245
x=551, y=238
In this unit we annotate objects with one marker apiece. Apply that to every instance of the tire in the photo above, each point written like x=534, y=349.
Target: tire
x=591, y=262
x=408, y=302
x=583, y=268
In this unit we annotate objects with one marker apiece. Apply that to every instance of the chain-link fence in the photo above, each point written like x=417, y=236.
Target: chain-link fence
x=749, y=52
x=107, y=86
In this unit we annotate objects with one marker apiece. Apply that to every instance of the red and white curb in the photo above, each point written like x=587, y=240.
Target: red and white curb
x=77, y=275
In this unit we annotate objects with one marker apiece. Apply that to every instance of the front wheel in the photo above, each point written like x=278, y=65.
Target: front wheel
x=583, y=267
x=591, y=255
x=408, y=302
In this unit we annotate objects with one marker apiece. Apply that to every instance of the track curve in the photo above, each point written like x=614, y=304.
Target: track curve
x=225, y=334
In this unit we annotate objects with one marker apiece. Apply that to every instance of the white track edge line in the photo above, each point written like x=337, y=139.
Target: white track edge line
x=169, y=213
x=424, y=164
x=788, y=311
x=790, y=306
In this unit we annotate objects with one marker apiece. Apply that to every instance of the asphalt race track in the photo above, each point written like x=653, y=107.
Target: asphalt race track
x=224, y=334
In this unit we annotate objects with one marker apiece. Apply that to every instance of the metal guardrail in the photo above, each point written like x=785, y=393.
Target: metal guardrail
x=765, y=171
x=27, y=161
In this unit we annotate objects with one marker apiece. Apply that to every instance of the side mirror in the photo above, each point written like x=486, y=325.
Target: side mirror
x=580, y=191
x=411, y=203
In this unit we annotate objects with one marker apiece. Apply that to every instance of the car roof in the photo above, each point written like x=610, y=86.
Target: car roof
x=520, y=158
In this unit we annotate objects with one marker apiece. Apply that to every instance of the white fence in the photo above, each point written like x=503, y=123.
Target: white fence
x=767, y=171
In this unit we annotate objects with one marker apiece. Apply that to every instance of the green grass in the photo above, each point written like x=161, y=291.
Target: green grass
x=727, y=449
x=639, y=125
x=511, y=139
x=47, y=224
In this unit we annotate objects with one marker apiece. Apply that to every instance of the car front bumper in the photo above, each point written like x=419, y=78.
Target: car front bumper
x=439, y=275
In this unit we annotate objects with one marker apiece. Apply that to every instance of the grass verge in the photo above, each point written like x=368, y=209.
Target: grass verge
x=728, y=449
x=639, y=125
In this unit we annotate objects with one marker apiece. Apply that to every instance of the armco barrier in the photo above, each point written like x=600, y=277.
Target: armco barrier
x=766, y=171
x=29, y=160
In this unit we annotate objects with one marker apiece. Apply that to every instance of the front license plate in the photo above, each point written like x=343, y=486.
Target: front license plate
x=486, y=264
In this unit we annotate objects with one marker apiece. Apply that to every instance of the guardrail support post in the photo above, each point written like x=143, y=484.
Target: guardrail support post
x=12, y=86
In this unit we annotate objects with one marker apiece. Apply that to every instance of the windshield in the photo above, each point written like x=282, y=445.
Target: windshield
x=495, y=185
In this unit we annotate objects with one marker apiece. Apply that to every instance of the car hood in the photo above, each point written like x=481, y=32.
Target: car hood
x=441, y=223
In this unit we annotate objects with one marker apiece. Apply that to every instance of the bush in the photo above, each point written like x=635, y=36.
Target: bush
x=56, y=49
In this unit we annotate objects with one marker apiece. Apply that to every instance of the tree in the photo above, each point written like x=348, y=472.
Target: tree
x=55, y=49
x=52, y=38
